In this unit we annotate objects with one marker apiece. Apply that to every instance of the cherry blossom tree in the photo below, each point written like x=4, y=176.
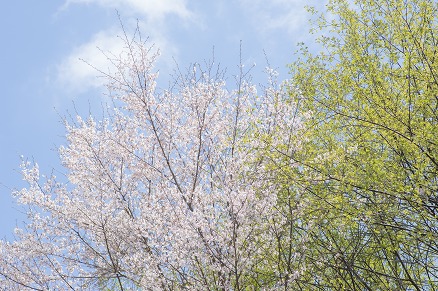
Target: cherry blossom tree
x=167, y=192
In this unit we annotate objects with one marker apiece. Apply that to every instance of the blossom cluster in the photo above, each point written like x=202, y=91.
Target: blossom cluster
x=170, y=191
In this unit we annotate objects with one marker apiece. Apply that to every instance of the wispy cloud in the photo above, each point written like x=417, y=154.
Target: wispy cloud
x=75, y=73
x=150, y=8
x=290, y=15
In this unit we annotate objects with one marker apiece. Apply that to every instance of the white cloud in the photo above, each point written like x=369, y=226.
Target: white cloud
x=75, y=73
x=284, y=14
x=79, y=71
x=152, y=9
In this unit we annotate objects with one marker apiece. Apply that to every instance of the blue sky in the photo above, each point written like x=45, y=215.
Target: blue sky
x=42, y=78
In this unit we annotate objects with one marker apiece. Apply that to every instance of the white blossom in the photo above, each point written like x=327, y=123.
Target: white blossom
x=169, y=192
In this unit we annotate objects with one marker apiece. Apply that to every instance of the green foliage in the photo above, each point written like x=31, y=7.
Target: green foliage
x=369, y=160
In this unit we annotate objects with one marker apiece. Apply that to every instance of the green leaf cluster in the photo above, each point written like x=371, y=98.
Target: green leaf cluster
x=368, y=164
